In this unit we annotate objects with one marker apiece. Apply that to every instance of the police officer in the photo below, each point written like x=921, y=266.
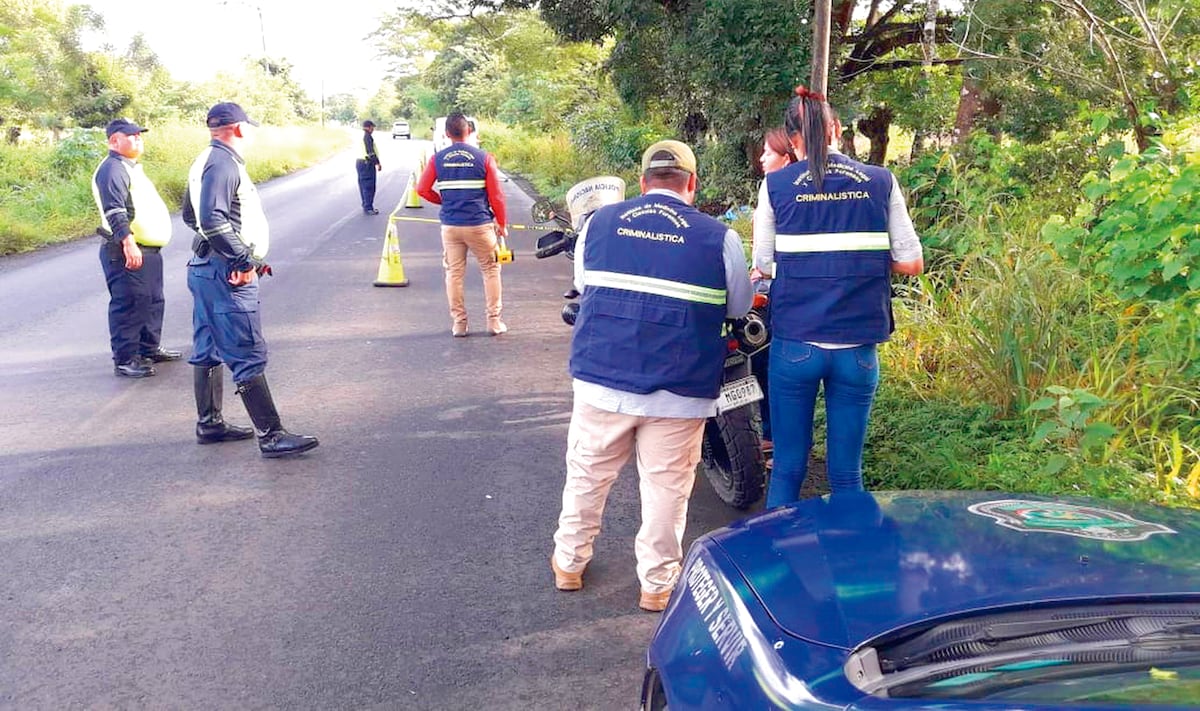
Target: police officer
x=367, y=166
x=832, y=231
x=658, y=279
x=232, y=237
x=465, y=181
x=134, y=224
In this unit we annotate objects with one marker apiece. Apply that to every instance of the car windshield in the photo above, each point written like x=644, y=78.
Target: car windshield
x=1124, y=654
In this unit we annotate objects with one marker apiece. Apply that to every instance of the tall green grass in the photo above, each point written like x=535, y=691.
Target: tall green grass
x=45, y=185
x=549, y=161
x=1104, y=388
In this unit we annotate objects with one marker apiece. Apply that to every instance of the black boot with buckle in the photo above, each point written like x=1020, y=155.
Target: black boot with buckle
x=273, y=440
x=210, y=426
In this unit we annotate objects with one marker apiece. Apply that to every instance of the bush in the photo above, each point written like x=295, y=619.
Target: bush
x=611, y=138
x=79, y=152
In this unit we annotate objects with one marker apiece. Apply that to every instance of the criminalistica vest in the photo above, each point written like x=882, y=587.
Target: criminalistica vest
x=653, y=302
x=833, y=258
x=461, y=173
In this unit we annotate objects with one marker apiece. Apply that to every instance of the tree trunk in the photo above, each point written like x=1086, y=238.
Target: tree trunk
x=970, y=106
x=846, y=143
x=875, y=127
x=928, y=52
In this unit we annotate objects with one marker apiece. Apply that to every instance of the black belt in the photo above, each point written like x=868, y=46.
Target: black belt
x=116, y=244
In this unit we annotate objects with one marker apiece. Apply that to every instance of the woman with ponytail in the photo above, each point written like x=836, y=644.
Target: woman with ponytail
x=831, y=231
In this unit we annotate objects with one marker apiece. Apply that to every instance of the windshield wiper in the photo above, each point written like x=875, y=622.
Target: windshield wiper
x=997, y=632
x=1184, y=629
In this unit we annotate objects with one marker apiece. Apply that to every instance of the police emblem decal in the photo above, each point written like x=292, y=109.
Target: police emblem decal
x=1070, y=519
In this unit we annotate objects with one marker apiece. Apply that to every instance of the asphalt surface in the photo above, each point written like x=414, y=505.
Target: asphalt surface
x=402, y=564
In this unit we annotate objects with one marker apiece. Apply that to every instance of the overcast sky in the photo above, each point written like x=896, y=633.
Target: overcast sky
x=325, y=42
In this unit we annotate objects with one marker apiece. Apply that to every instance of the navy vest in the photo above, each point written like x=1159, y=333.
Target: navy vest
x=833, y=260
x=461, y=170
x=653, y=302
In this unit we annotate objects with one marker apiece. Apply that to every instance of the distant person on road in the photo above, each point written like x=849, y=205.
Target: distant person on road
x=222, y=206
x=134, y=225
x=832, y=231
x=465, y=181
x=658, y=279
x=367, y=166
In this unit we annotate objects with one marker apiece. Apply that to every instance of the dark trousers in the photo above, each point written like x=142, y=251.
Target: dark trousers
x=366, y=183
x=226, y=327
x=135, y=305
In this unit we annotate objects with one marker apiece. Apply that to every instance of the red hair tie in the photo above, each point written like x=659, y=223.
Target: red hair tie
x=804, y=93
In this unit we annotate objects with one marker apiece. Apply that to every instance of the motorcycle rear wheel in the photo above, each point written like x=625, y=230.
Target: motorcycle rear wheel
x=731, y=456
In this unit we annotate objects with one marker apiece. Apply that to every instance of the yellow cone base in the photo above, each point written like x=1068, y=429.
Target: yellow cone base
x=391, y=269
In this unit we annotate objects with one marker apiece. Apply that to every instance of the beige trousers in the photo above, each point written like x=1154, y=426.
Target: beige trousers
x=598, y=445
x=481, y=241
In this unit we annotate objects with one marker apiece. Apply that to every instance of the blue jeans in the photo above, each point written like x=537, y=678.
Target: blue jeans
x=798, y=369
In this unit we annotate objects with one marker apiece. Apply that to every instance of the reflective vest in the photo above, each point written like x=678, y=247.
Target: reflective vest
x=833, y=258
x=151, y=220
x=253, y=229
x=653, y=301
x=461, y=174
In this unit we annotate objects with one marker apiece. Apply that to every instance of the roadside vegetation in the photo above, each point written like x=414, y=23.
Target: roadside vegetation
x=1049, y=150
x=1050, y=153
x=48, y=195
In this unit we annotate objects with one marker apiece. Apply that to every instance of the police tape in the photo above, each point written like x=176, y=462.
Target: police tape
x=541, y=228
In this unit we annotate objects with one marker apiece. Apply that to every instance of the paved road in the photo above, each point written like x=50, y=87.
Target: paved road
x=403, y=564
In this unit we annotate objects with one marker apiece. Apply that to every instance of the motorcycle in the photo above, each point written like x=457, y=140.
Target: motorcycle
x=731, y=449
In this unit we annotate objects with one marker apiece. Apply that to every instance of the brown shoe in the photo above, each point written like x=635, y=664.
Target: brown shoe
x=564, y=580
x=655, y=602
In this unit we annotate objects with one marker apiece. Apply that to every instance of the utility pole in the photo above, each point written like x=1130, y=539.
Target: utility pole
x=820, y=47
x=262, y=28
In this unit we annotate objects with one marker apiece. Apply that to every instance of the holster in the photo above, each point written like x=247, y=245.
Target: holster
x=200, y=246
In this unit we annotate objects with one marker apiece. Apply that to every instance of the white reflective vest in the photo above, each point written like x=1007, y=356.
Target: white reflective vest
x=255, y=232
x=151, y=224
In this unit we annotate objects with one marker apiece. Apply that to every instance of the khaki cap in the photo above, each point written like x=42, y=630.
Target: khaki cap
x=681, y=157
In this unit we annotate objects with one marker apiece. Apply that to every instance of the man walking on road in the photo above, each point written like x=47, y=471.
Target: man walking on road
x=367, y=166
x=134, y=224
x=232, y=237
x=658, y=280
x=464, y=180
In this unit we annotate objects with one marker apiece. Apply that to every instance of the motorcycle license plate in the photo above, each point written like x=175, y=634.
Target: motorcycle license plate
x=738, y=393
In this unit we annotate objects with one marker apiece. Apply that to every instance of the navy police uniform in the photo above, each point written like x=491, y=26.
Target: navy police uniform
x=367, y=166
x=129, y=204
x=232, y=236
x=223, y=207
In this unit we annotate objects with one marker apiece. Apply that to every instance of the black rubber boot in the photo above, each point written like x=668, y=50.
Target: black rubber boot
x=210, y=426
x=273, y=440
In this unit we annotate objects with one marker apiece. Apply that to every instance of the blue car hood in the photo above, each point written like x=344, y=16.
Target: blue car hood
x=848, y=568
